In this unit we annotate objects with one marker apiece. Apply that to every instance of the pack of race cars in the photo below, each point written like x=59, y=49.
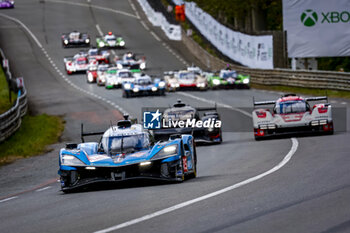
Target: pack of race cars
x=126, y=70
x=128, y=151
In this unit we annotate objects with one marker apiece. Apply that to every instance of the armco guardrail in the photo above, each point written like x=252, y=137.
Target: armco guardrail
x=300, y=78
x=10, y=121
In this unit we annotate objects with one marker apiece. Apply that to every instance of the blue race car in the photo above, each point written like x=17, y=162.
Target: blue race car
x=130, y=61
x=125, y=152
x=143, y=86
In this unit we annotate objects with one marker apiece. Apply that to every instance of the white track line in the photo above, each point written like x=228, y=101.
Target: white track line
x=144, y=25
x=99, y=30
x=42, y=189
x=25, y=27
x=54, y=65
x=8, y=199
x=155, y=36
x=213, y=102
x=213, y=194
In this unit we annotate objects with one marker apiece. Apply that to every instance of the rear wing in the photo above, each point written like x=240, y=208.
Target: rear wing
x=259, y=103
x=207, y=109
x=84, y=134
x=318, y=98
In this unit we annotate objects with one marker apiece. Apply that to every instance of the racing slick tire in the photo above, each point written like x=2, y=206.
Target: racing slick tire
x=126, y=94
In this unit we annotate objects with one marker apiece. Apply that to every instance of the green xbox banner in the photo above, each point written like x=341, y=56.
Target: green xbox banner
x=317, y=28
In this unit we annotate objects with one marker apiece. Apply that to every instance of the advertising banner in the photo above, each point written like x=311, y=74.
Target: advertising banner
x=317, y=28
x=251, y=51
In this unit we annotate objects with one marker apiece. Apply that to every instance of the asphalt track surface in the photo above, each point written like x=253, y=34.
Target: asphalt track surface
x=282, y=185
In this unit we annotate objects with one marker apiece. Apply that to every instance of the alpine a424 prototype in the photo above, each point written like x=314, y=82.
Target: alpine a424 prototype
x=292, y=114
x=143, y=86
x=130, y=61
x=125, y=152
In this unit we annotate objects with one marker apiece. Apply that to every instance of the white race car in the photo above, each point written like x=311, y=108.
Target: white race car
x=116, y=77
x=77, y=63
x=292, y=114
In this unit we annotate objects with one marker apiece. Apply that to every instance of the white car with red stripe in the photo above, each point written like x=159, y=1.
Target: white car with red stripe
x=78, y=63
x=292, y=114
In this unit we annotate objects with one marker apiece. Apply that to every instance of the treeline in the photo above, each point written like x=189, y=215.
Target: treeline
x=248, y=16
x=252, y=16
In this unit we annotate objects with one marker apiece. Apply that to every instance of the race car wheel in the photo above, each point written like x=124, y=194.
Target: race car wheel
x=180, y=178
x=90, y=78
x=194, y=174
x=126, y=94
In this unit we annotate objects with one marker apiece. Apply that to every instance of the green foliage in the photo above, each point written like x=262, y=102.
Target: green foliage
x=236, y=11
x=5, y=103
x=334, y=63
x=35, y=133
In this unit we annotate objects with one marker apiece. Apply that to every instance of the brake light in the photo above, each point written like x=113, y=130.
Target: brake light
x=261, y=114
x=259, y=132
x=322, y=109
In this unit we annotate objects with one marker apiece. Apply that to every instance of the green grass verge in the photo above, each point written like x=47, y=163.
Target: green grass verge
x=5, y=104
x=303, y=90
x=33, y=137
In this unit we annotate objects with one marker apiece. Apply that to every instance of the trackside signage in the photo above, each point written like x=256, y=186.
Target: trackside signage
x=317, y=28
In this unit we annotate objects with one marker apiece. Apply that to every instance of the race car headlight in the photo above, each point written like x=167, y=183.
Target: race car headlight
x=101, y=44
x=87, y=41
x=166, y=152
x=70, y=160
x=216, y=81
x=161, y=84
x=154, y=89
x=143, y=66
x=127, y=86
x=246, y=81
x=200, y=84
x=122, y=43
x=65, y=41
x=135, y=89
x=119, y=66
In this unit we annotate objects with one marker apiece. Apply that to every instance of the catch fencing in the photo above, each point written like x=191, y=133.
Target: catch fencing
x=10, y=121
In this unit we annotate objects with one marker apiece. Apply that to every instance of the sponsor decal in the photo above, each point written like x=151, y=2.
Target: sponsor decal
x=184, y=164
x=309, y=17
x=95, y=158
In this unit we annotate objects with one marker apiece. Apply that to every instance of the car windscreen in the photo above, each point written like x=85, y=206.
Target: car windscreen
x=81, y=62
x=110, y=38
x=93, y=52
x=231, y=74
x=291, y=107
x=102, y=68
x=125, y=143
x=125, y=74
x=187, y=75
x=144, y=81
